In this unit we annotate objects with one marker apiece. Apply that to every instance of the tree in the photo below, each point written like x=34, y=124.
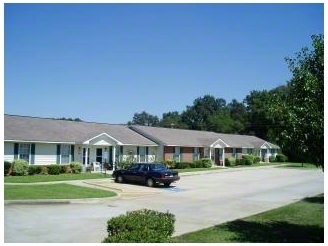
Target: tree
x=144, y=119
x=197, y=116
x=70, y=119
x=172, y=120
x=238, y=115
x=301, y=110
x=259, y=121
x=221, y=122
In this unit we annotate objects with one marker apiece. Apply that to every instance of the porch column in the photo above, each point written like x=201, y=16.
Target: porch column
x=223, y=157
x=113, y=157
x=211, y=154
x=86, y=156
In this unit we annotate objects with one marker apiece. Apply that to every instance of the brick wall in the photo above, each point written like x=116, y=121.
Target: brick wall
x=168, y=153
x=187, y=154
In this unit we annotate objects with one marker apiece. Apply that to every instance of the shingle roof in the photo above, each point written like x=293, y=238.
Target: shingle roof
x=192, y=138
x=27, y=128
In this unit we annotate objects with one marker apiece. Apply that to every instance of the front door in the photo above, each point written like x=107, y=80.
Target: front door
x=99, y=155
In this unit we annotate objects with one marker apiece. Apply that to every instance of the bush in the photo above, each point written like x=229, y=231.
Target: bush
x=170, y=164
x=229, y=162
x=19, y=167
x=66, y=169
x=241, y=162
x=54, y=169
x=257, y=159
x=272, y=159
x=76, y=167
x=206, y=162
x=141, y=226
x=193, y=164
x=34, y=169
x=44, y=170
x=182, y=165
x=281, y=158
x=7, y=167
x=123, y=165
x=249, y=159
x=199, y=163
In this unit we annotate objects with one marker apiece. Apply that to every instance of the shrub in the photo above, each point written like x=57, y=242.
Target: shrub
x=193, y=164
x=123, y=165
x=249, y=159
x=7, y=167
x=76, y=167
x=257, y=159
x=44, y=170
x=229, y=162
x=198, y=163
x=141, y=226
x=66, y=169
x=34, y=169
x=170, y=164
x=54, y=169
x=182, y=165
x=206, y=162
x=272, y=159
x=19, y=167
x=241, y=162
x=281, y=158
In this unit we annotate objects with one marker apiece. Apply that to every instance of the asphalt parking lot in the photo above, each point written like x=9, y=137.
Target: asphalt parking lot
x=197, y=201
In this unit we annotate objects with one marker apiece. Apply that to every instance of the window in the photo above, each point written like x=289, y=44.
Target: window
x=176, y=153
x=142, y=154
x=196, y=154
x=24, y=152
x=65, y=152
x=206, y=152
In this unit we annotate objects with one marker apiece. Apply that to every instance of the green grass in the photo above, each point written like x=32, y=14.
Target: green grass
x=300, y=165
x=49, y=178
x=185, y=170
x=300, y=222
x=53, y=191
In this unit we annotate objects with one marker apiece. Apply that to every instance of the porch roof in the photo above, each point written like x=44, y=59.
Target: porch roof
x=26, y=128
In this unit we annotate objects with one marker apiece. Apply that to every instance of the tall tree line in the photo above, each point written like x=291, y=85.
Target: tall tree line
x=290, y=115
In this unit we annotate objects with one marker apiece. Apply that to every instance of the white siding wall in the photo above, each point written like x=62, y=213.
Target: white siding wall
x=9, y=151
x=45, y=154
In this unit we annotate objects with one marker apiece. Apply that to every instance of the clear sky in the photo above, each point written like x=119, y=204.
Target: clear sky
x=105, y=62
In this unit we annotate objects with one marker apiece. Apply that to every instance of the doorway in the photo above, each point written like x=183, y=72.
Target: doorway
x=99, y=155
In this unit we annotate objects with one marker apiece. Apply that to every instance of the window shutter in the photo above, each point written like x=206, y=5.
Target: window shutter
x=32, y=153
x=16, y=146
x=58, y=154
x=138, y=150
x=147, y=150
x=72, y=153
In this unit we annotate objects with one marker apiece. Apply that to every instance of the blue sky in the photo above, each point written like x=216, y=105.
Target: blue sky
x=105, y=62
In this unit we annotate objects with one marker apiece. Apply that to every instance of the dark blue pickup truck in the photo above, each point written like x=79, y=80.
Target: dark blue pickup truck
x=146, y=173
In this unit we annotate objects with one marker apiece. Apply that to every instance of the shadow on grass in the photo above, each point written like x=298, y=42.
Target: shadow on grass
x=274, y=232
x=316, y=199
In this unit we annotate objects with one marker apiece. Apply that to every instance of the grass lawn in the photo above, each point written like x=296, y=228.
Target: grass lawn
x=299, y=165
x=60, y=177
x=53, y=191
x=300, y=222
